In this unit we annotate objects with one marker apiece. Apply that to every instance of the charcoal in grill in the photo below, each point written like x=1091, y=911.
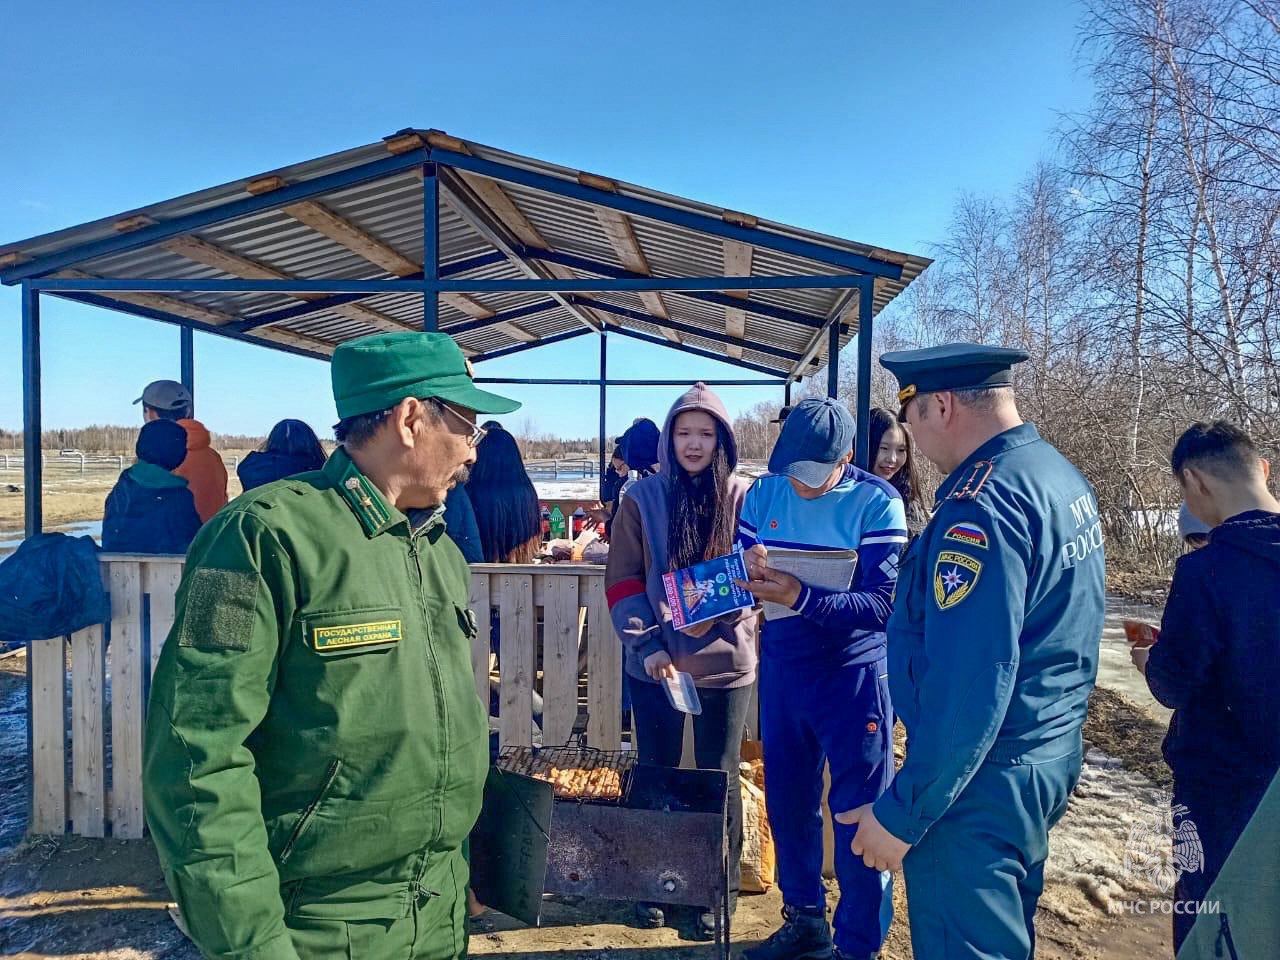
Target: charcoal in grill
x=575, y=772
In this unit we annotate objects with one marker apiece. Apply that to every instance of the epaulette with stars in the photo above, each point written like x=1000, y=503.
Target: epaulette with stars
x=364, y=499
x=973, y=481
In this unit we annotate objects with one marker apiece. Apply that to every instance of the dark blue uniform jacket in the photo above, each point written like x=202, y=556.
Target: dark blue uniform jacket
x=1217, y=663
x=993, y=640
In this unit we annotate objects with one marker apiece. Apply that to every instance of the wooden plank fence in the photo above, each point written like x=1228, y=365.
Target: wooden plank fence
x=87, y=761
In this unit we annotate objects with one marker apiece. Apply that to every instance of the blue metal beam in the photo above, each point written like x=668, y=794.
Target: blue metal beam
x=686, y=328
x=522, y=347
x=516, y=313
x=665, y=214
x=685, y=348
x=662, y=284
x=95, y=300
x=407, y=285
x=365, y=288
x=192, y=222
x=328, y=303
x=720, y=299
x=430, y=246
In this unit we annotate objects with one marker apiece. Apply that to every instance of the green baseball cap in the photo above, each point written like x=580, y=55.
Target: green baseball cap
x=376, y=372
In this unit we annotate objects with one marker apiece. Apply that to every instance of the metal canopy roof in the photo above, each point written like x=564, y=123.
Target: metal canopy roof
x=226, y=260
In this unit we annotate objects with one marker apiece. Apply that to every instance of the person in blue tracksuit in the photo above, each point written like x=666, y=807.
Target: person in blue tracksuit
x=993, y=651
x=823, y=691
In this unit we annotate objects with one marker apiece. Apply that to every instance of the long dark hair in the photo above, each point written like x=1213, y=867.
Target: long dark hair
x=505, y=501
x=905, y=481
x=294, y=438
x=702, y=521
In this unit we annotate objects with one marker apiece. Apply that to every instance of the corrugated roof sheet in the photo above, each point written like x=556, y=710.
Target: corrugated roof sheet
x=388, y=210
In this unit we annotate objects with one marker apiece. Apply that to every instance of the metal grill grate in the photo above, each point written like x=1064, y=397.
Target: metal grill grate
x=576, y=772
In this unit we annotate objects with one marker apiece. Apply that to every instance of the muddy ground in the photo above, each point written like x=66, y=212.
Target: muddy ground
x=106, y=900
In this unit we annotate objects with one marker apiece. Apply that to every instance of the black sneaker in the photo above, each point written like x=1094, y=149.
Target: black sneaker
x=649, y=916
x=803, y=936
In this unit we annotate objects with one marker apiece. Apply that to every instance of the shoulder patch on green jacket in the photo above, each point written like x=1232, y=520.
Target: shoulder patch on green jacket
x=219, y=609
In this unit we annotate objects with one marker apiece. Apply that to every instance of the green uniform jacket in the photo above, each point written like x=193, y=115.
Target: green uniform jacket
x=315, y=748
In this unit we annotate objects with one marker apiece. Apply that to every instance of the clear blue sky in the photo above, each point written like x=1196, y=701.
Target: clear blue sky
x=862, y=120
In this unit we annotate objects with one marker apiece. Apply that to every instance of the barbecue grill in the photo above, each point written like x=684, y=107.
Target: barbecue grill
x=661, y=839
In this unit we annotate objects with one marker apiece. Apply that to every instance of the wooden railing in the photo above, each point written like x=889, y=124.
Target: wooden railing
x=87, y=761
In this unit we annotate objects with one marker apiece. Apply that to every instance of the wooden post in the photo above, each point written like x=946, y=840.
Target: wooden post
x=47, y=709
x=480, y=646
x=604, y=672
x=88, y=768
x=126, y=699
x=559, y=658
x=160, y=581
x=516, y=659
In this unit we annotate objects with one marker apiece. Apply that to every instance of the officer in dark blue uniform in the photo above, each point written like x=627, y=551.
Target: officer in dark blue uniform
x=993, y=650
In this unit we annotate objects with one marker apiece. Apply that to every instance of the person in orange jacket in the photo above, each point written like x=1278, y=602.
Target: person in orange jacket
x=203, y=468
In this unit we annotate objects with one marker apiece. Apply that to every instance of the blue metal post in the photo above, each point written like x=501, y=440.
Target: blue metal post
x=32, y=472
x=604, y=344
x=862, y=453
x=430, y=246
x=188, y=351
x=833, y=360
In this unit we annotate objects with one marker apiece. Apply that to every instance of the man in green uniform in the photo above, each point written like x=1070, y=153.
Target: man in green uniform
x=315, y=750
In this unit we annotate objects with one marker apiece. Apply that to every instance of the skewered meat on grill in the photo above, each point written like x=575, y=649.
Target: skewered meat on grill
x=574, y=773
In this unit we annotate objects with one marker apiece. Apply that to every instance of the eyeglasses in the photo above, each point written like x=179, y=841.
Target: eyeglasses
x=477, y=432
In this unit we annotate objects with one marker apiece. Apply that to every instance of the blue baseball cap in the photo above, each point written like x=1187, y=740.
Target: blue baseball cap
x=816, y=435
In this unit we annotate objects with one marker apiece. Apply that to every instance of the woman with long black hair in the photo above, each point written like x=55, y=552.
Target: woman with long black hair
x=505, y=501
x=684, y=513
x=893, y=459
x=291, y=447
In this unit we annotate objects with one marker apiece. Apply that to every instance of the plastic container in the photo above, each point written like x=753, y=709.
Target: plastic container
x=682, y=694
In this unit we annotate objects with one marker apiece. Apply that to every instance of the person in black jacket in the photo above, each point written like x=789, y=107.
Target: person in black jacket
x=1217, y=660
x=291, y=447
x=150, y=509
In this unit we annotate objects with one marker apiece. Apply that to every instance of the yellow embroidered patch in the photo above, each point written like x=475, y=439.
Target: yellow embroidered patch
x=954, y=577
x=346, y=635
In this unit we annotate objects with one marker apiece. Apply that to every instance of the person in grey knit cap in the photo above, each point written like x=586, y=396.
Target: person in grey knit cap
x=685, y=513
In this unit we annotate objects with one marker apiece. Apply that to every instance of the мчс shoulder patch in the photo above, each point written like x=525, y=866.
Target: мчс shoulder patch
x=347, y=635
x=970, y=534
x=954, y=577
